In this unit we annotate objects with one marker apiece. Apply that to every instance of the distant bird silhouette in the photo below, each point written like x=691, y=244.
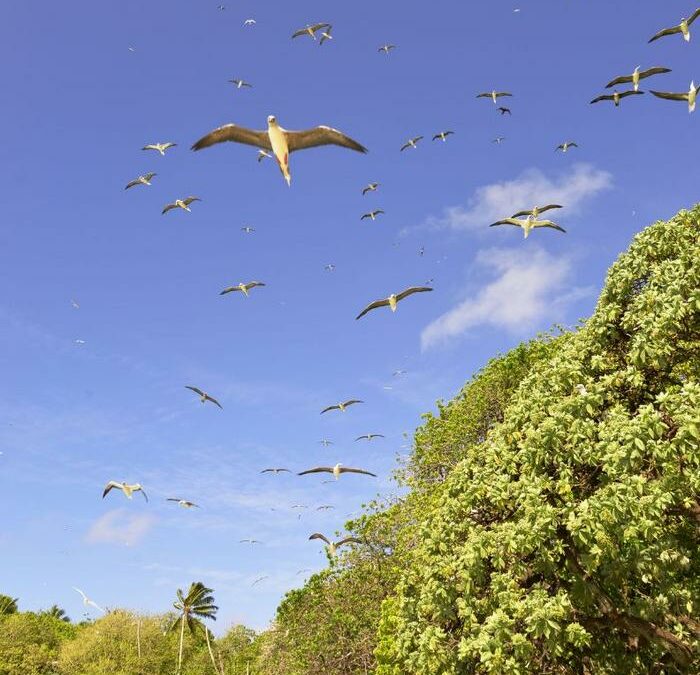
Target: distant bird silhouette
x=336, y=470
x=504, y=111
x=275, y=471
x=159, y=147
x=616, y=96
x=411, y=143
x=203, y=396
x=243, y=288
x=145, y=179
x=341, y=406
x=87, y=601
x=393, y=300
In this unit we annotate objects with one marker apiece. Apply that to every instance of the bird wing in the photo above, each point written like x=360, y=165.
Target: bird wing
x=670, y=96
x=412, y=290
x=229, y=289
x=549, y=207
x=348, y=540
x=359, y=438
x=172, y=499
x=253, y=284
x=657, y=70
x=196, y=390
x=352, y=401
x=169, y=145
x=189, y=200
x=131, y=184
x=666, y=31
x=330, y=407
x=694, y=16
x=143, y=492
x=484, y=95
x=313, y=29
x=604, y=97
x=347, y=469
x=549, y=223
x=404, y=146
x=236, y=134
x=81, y=593
x=509, y=221
x=371, y=306
x=519, y=214
x=318, y=469
x=150, y=146
x=318, y=535
x=377, y=436
x=109, y=486
x=623, y=79
x=169, y=207
x=213, y=400
x=503, y=93
x=631, y=92
x=322, y=135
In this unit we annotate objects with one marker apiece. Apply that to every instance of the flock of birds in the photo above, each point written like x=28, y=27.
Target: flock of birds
x=277, y=142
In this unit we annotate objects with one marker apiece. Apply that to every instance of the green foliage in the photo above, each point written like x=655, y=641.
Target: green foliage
x=8, y=605
x=567, y=540
x=56, y=612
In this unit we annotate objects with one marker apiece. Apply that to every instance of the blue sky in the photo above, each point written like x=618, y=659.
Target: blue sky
x=78, y=105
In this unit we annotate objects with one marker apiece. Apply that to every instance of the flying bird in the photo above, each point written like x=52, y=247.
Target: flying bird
x=87, y=601
x=341, y=407
x=249, y=22
x=145, y=179
x=310, y=30
x=243, y=288
x=248, y=229
x=690, y=96
x=181, y=204
x=498, y=140
x=393, y=300
x=683, y=27
x=411, y=143
x=370, y=187
x=564, y=147
x=494, y=95
x=528, y=224
x=126, y=488
x=331, y=546
x=336, y=471
x=443, y=135
x=203, y=396
x=326, y=35
x=386, y=48
x=240, y=83
x=275, y=471
x=329, y=267
x=536, y=210
x=325, y=507
x=280, y=141
x=504, y=111
x=372, y=214
x=186, y=504
x=160, y=147
x=264, y=155
x=259, y=579
x=248, y=541
x=325, y=442
x=616, y=96
x=369, y=437
x=636, y=76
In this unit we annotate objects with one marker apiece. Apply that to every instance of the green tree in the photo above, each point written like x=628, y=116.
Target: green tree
x=56, y=612
x=196, y=605
x=568, y=539
x=8, y=605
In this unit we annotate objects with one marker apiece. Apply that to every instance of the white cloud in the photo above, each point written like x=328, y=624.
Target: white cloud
x=499, y=200
x=120, y=527
x=526, y=291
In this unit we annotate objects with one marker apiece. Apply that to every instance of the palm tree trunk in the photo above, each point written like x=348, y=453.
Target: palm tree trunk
x=182, y=638
x=138, y=637
x=211, y=653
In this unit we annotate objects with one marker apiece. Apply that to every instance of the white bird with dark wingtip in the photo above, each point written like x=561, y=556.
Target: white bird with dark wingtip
x=310, y=30
x=370, y=187
x=325, y=442
x=159, y=147
x=331, y=546
x=248, y=229
x=683, y=28
x=145, y=179
x=249, y=22
x=369, y=437
x=528, y=224
x=636, y=76
x=443, y=135
x=617, y=96
x=341, y=406
x=536, y=210
x=494, y=95
x=386, y=48
x=336, y=471
x=87, y=601
x=564, y=147
x=275, y=471
x=326, y=35
x=691, y=96
x=239, y=84
x=372, y=215
x=393, y=300
x=184, y=503
x=183, y=204
x=203, y=396
x=126, y=488
x=243, y=288
x=281, y=141
x=411, y=143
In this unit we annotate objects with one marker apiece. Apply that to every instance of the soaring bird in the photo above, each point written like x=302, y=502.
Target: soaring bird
x=248, y=229
x=310, y=30
x=336, y=471
x=185, y=503
x=564, y=147
x=690, y=96
x=240, y=83
x=249, y=22
x=536, y=210
x=259, y=579
x=126, y=488
x=386, y=48
x=498, y=140
x=275, y=471
x=504, y=111
x=325, y=507
x=331, y=546
x=494, y=95
x=683, y=27
x=370, y=187
x=411, y=143
x=181, y=204
x=203, y=396
x=145, y=179
x=636, y=76
x=393, y=300
x=248, y=541
x=369, y=437
x=243, y=288
x=528, y=224
x=372, y=214
x=617, y=96
x=262, y=154
x=87, y=601
x=325, y=442
x=341, y=406
x=160, y=147
x=326, y=35
x=280, y=141
x=443, y=135
x=330, y=267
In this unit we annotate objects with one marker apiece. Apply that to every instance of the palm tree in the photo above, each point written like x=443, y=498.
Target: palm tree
x=57, y=613
x=8, y=605
x=196, y=605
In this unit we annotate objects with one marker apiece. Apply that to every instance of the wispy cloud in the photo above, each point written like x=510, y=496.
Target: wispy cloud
x=527, y=290
x=532, y=187
x=120, y=527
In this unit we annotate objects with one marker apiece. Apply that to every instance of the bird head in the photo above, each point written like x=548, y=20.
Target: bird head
x=271, y=120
